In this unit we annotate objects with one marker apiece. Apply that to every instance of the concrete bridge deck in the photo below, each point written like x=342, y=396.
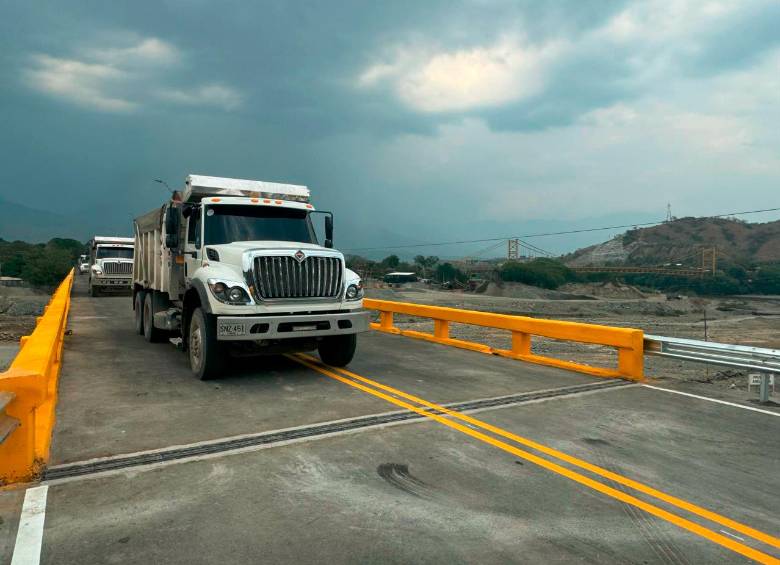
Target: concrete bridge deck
x=286, y=461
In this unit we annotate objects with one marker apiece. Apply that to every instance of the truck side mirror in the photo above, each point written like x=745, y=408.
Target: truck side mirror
x=171, y=228
x=329, y=231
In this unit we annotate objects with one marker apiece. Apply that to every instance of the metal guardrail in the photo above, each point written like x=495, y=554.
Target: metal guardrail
x=760, y=359
x=627, y=341
x=739, y=356
x=28, y=392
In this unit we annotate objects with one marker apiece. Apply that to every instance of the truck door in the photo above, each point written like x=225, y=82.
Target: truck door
x=192, y=257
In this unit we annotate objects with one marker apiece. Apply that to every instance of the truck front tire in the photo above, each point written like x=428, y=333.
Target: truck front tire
x=93, y=290
x=152, y=334
x=205, y=352
x=139, y=312
x=338, y=350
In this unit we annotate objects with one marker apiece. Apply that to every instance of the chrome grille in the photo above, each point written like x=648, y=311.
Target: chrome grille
x=117, y=268
x=286, y=277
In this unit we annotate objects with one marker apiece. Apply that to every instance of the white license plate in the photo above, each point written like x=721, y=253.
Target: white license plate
x=230, y=329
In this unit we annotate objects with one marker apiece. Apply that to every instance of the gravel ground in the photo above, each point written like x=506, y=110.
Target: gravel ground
x=19, y=308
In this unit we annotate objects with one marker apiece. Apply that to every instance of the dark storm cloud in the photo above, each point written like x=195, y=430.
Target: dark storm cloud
x=98, y=98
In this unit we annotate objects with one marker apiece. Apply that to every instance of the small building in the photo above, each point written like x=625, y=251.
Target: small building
x=393, y=278
x=11, y=281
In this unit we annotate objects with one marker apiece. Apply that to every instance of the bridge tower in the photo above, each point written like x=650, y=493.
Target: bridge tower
x=513, y=249
x=709, y=260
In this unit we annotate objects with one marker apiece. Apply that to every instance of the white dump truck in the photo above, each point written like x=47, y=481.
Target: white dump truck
x=110, y=264
x=231, y=266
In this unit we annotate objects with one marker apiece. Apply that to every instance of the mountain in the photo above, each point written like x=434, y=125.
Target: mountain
x=683, y=241
x=19, y=222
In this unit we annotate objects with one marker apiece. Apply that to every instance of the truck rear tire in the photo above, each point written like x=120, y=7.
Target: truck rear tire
x=139, y=312
x=205, y=352
x=338, y=350
x=152, y=334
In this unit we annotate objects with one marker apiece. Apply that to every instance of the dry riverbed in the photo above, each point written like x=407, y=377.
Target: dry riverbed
x=19, y=309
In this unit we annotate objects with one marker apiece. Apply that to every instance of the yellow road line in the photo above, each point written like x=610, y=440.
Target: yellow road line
x=573, y=475
x=674, y=501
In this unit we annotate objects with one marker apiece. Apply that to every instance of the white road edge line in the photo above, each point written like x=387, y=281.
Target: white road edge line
x=713, y=400
x=29, y=537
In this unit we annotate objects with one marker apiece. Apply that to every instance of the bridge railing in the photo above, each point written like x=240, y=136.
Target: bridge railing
x=627, y=341
x=30, y=391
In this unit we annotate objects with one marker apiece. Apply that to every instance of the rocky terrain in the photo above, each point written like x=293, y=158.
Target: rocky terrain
x=682, y=241
x=19, y=307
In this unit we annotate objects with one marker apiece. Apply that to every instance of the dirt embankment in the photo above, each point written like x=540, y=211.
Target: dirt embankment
x=19, y=308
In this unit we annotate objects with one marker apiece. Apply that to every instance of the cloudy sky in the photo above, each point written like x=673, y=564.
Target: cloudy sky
x=413, y=121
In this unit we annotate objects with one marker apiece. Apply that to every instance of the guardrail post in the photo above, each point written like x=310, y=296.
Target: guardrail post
x=386, y=320
x=521, y=343
x=441, y=329
x=631, y=360
x=18, y=452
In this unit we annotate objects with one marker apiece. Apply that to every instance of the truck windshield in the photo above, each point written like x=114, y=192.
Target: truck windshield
x=114, y=253
x=228, y=223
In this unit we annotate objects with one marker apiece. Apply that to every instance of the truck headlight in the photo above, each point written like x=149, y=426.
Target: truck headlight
x=229, y=292
x=97, y=270
x=354, y=291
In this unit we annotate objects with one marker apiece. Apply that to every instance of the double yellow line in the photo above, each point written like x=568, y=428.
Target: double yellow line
x=374, y=388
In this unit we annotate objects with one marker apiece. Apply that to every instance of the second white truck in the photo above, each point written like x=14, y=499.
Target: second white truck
x=110, y=264
x=236, y=264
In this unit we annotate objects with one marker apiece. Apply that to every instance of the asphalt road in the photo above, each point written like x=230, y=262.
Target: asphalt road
x=419, y=453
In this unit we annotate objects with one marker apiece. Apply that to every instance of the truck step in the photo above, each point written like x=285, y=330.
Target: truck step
x=177, y=342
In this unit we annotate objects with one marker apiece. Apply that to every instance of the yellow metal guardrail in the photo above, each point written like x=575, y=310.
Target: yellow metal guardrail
x=627, y=341
x=32, y=379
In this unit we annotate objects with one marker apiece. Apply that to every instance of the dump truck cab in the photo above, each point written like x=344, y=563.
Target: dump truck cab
x=236, y=264
x=110, y=264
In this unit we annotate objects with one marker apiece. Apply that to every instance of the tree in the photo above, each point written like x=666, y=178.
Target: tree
x=426, y=263
x=447, y=272
x=390, y=262
x=47, y=266
x=546, y=273
x=38, y=263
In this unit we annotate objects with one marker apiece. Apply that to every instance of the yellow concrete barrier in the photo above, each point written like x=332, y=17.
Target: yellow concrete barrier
x=627, y=341
x=33, y=378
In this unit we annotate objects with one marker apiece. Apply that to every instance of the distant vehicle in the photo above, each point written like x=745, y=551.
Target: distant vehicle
x=84, y=268
x=110, y=264
x=400, y=277
x=237, y=262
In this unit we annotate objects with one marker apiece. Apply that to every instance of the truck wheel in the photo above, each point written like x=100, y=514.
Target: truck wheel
x=139, y=312
x=338, y=350
x=93, y=290
x=205, y=352
x=152, y=334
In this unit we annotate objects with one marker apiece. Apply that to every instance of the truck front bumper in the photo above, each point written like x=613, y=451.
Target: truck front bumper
x=253, y=328
x=119, y=284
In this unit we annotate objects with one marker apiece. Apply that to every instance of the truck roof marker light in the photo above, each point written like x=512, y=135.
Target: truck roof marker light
x=216, y=199
x=309, y=206
x=266, y=201
x=278, y=201
x=255, y=200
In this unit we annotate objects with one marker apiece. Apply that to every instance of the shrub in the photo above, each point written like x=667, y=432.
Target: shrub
x=546, y=273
